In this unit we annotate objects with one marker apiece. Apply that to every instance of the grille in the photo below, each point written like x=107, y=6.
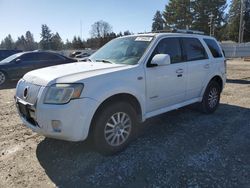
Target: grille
x=31, y=91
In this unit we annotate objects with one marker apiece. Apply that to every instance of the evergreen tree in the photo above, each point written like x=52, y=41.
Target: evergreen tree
x=202, y=10
x=178, y=14
x=8, y=43
x=21, y=43
x=125, y=33
x=77, y=43
x=68, y=44
x=46, y=35
x=158, y=22
x=234, y=21
x=194, y=14
x=56, y=42
x=30, y=42
x=246, y=37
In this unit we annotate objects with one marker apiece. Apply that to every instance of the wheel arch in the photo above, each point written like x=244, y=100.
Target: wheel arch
x=124, y=97
x=216, y=78
x=219, y=80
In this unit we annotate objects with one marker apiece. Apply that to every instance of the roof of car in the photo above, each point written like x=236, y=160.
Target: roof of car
x=177, y=34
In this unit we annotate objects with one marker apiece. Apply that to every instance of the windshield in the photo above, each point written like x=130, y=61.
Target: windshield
x=10, y=58
x=126, y=50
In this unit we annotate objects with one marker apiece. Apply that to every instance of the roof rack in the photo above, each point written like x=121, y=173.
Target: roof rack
x=187, y=31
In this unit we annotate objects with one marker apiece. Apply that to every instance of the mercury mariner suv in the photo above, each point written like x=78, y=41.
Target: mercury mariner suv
x=127, y=81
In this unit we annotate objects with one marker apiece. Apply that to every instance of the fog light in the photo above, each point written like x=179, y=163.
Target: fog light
x=56, y=125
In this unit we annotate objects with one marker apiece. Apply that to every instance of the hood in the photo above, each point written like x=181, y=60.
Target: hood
x=70, y=73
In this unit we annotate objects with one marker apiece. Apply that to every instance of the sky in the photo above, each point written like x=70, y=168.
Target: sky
x=65, y=16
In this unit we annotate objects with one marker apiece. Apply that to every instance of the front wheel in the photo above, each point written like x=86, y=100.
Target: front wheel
x=114, y=127
x=2, y=78
x=211, y=98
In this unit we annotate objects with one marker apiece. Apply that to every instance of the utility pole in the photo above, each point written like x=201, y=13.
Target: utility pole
x=211, y=24
x=241, y=27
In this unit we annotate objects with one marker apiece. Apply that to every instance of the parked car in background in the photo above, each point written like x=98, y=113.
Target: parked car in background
x=83, y=55
x=6, y=53
x=74, y=54
x=15, y=66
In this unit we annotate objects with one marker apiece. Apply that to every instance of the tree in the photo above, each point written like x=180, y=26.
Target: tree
x=246, y=37
x=68, y=44
x=202, y=10
x=21, y=43
x=46, y=35
x=8, y=43
x=100, y=29
x=30, y=42
x=125, y=33
x=178, y=14
x=158, y=22
x=234, y=20
x=56, y=42
x=195, y=14
x=77, y=43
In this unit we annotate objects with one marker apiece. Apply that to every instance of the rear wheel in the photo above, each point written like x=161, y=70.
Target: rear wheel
x=2, y=78
x=211, y=98
x=114, y=127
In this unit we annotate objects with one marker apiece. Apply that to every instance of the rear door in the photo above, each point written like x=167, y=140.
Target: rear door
x=51, y=59
x=198, y=66
x=166, y=85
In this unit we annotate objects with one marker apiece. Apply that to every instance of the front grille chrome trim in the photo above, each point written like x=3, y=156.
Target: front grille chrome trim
x=31, y=89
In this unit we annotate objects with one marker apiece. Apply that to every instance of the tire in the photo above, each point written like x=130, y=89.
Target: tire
x=114, y=127
x=211, y=98
x=3, y=79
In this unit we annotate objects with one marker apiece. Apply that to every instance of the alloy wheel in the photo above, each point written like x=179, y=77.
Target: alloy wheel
x=2, y=78
x=117, y=129
x=213, y=97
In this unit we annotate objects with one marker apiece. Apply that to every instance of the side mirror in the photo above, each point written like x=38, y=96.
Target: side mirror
x=18, y=61
x=161, y=60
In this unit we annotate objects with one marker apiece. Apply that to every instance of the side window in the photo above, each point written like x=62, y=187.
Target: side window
x=214, y=48
x=29, y=57
x=49, y=57
x=170, y=46
x=194, y=49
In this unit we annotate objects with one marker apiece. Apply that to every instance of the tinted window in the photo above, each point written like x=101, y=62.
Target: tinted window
x=170, y=46
x=49, y=57
x=194, y=49
x=30, y=57
x=213, y=47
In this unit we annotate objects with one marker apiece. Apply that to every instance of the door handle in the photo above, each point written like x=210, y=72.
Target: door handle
x=179, y=71
x=206, y=66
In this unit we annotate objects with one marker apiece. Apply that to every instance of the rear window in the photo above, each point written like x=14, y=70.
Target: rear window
x=213, y=47
x=194, y=49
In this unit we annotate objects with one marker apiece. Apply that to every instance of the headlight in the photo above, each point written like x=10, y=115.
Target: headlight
x=63, y=93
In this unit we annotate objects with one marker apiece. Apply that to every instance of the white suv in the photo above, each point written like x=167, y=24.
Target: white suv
x=124, y=83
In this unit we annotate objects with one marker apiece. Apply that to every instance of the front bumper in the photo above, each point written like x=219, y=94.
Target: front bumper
x=73, y=119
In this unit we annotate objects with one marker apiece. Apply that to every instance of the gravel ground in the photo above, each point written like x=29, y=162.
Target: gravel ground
x=183, y=148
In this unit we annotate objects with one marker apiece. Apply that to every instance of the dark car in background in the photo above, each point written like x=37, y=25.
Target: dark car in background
x=82, y=55
x=6, y=53
x=74, y=54
x=15, y=66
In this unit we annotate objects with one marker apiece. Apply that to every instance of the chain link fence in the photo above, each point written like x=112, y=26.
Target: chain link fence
x=235, y=50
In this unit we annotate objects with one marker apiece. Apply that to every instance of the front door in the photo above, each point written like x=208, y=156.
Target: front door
x=166, y=85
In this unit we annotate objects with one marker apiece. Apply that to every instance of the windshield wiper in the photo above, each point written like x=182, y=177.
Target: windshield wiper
x=104, y=61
